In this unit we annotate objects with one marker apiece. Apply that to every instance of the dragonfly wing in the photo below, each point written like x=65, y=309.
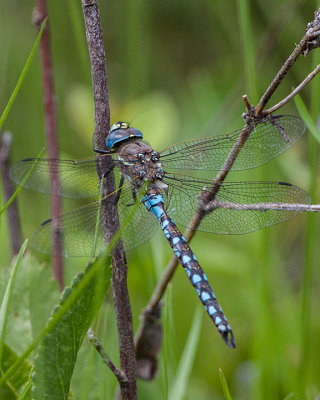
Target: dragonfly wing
x=77, y=178
x=77, y=228
x=141, y=227
x=183, y=202
x=269, y=138
x=76, y=232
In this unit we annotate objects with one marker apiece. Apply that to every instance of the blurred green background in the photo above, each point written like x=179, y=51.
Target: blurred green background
x=177, y=70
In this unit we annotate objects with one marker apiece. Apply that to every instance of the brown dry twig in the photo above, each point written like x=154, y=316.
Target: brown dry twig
x=109, y=215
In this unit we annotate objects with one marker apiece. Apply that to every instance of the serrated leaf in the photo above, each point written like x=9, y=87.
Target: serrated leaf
x=58, y=351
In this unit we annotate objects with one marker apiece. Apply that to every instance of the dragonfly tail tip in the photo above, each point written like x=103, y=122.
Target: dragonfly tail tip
x=229, y=339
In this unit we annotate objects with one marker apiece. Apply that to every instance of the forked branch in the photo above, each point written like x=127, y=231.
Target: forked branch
x=309, y=41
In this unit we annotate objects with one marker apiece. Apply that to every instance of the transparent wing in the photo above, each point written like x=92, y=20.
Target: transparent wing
x=183, y=202
x=78, y=228
x=268, y=139
x=78, y=178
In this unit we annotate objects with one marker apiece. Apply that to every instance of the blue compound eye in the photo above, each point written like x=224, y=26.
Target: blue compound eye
x=119, y=132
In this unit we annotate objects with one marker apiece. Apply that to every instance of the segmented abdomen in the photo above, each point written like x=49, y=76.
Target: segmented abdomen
x=155, y=203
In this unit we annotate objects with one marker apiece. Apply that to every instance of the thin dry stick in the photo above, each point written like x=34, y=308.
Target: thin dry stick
x=215, y=204
x=309, y=41
x=106, y=359
x=294, y=92
x=50, y=116
x=8, y=190
x=109, y=215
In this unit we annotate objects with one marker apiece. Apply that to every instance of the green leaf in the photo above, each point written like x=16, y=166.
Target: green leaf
x=6, y=302
x=58, y=351
x=42, y=293
x=224, y=385
x=34, y=296
x=12, y=387
x=186, y=362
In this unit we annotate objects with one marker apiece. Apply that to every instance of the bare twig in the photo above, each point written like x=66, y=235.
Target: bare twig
x=50, y=115
x=8, y=190
x=309, y=41
x=294, y=92
x=215, y=204
x=105, y=358
x=109, y=215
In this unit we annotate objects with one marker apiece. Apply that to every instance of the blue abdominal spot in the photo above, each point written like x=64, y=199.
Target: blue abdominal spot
x=205, y=296
x=157, y=211
x=196, y=278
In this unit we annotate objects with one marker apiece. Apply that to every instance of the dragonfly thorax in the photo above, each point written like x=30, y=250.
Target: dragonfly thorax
x=140, y=162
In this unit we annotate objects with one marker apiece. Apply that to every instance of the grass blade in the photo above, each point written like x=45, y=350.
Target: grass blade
x=224, y=385
x=98, y=221
x=23, y=75
x=186, y=362
x=306, y=116
x=3, y=209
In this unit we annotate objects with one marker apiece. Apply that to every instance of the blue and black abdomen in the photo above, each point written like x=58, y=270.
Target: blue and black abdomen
x=155, y=203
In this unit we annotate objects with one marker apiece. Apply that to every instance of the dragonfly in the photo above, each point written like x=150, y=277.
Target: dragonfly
x=168, y=195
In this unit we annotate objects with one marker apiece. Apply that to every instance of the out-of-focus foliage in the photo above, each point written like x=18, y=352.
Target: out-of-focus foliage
x=176, y=71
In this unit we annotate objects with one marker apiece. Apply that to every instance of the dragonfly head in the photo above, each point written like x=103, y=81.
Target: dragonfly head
x=121, y=131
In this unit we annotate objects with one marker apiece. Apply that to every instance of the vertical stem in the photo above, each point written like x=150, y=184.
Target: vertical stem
x=109, y=216
x=8, y=189
x=50, y=115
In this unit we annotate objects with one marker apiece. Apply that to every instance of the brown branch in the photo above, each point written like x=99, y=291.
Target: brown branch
x=8, y=190
x=309, y=41
x=109, y=215
x=294, y=92
x=50, y=116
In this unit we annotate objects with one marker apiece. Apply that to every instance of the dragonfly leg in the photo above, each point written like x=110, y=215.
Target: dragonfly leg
x=119, y=190
x=99, y=151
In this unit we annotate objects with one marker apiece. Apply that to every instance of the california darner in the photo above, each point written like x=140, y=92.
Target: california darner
x=169, y=195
